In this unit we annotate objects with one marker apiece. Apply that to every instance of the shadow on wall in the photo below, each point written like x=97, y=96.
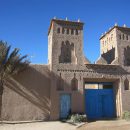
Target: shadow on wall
x=27, y=96
x=109, y=56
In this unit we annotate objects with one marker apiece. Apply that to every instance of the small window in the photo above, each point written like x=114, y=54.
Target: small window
x=127, y=56
x=67, y=31
x=58, y=30
x=127, y=37
x=111, y=37
x=60, y=83
x=63, y=30
x=76, y=32
x=123, y=36
x=72, y=31
x=102, y=43
x=74, y=84
x=119, y=36
x=126, y=84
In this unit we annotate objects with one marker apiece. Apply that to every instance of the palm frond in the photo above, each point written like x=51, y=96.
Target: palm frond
x=11, y=63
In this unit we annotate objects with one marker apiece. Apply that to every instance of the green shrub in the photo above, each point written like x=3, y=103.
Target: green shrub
x=77, y=118
x=126, y=115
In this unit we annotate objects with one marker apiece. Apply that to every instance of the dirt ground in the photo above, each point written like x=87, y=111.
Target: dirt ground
x=106, y=125
x=57, y=125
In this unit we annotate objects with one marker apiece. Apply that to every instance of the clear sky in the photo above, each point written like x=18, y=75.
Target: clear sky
x=24, y=23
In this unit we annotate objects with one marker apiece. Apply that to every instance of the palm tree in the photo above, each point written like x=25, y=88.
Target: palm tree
x=11, y=63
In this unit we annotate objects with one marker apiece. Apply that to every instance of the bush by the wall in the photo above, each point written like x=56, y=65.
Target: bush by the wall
x=126, y=115
x=77, y=118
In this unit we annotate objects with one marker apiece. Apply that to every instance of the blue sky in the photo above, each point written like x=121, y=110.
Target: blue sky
x=24, y=23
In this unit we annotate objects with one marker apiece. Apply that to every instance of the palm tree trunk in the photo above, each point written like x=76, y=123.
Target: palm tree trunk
x=1, y=92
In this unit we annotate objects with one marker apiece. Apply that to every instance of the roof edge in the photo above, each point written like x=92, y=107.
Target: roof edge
x=60, y=20
x=118, y=27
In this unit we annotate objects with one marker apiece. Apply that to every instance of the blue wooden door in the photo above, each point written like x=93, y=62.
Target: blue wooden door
x=65, y=105
x=99, y=103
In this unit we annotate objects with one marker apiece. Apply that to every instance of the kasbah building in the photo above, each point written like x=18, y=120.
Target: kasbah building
x=69, y=83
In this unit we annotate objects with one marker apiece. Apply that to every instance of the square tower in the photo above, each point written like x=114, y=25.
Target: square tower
x=108, y=46
x=65, y=43
x=123, y=45
x=115, y=46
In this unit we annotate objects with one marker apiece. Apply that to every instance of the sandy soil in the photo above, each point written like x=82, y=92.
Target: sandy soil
x=57, y=125
x=107, y=125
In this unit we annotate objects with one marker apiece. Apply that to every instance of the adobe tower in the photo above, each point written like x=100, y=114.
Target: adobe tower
x=115, y=46
x=65, y=44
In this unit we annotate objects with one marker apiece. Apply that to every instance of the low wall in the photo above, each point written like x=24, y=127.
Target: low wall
x=27, y=96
